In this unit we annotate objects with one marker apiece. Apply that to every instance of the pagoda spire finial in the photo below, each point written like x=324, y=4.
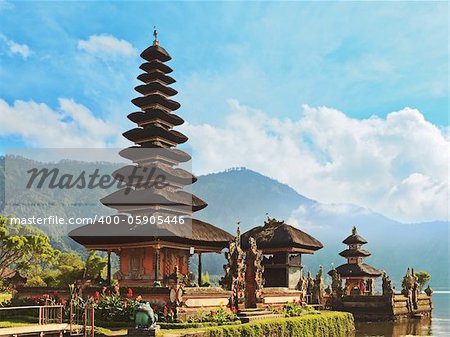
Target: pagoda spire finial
x=354, y=230
x=155, y=35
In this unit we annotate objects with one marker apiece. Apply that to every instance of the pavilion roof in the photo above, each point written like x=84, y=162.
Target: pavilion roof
x=282, y=237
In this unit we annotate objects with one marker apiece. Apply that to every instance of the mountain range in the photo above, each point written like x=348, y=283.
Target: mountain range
x=249, y=197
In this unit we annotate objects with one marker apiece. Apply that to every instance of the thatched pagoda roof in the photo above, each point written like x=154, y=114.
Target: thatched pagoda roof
x=147, y=151
x=354, y=238
x=354, y=253
x=155, y=76
x=147, y=116
x=132, y=175
x=141, y=135
x=127, y=200
x=155, y=52
x=356, y=270
x=195, y=233
x=279, y=236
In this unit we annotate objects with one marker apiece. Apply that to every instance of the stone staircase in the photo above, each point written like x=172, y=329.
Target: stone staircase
x=254, y=314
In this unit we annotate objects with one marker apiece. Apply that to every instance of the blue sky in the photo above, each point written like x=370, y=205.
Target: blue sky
x=362, y=58
x=68, y=70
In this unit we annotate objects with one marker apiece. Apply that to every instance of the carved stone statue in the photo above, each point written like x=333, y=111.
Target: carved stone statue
x=302, y=286
x=407, y=284
x=234, y=278
x=336, y=284
x=259, y=268
x=415, y=290
x=310, y=288
x=254, y=279
x=387, y=286
x=145, y=318
x=407, y=288
x=318, y=287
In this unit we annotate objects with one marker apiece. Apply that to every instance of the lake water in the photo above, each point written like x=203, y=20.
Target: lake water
x=438, y=325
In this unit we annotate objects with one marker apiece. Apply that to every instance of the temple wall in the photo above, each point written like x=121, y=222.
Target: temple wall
x=206, y=298
x=151, y=294
x=137, y=265
x=276, y=296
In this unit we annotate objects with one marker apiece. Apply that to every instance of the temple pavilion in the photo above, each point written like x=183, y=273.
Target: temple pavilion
x=282, y=246
x=359, y=277
x=149, y=251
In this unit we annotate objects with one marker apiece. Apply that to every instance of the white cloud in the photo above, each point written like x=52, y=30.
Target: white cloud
x=16, y=48
x=71, y=125
x=106, y=45
x=416, y=195
x=398, y=166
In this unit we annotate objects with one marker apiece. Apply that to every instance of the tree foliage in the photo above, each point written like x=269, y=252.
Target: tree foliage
x=70, y=267
x=28, y=250
x=95, y=265
x=422, y=277
x=21, y=247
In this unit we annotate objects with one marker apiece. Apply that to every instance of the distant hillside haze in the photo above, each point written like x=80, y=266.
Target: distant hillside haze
x=247, y=196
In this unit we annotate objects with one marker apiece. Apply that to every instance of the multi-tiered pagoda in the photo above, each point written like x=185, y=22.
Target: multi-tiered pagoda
x=358, y=275
x=154, y=231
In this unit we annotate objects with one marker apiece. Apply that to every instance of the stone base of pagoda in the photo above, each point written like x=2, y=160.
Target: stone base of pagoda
x=384, y=308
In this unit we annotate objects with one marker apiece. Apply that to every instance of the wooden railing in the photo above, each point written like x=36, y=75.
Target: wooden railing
x=48, y=314
x=80, y=321
x=89, y=321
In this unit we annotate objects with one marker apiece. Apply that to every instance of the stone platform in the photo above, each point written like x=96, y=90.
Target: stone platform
x=250, y=315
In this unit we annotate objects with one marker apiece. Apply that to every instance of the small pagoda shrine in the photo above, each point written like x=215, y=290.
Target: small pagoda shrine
x=282, y=246
x=359, y=277
x=151, y=250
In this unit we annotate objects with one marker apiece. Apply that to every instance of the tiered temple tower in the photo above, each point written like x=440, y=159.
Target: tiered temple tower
x=154, y=154
x=155, y=232
x=359, y=276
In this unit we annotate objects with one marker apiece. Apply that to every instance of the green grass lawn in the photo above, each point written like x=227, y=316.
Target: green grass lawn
x=109, y=332
x=4, y=297
x=10, y=324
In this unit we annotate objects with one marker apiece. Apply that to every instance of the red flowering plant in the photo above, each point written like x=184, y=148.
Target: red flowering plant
x=111, y=307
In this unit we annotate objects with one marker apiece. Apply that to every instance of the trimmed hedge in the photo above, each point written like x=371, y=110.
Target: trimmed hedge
x=325, y=324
